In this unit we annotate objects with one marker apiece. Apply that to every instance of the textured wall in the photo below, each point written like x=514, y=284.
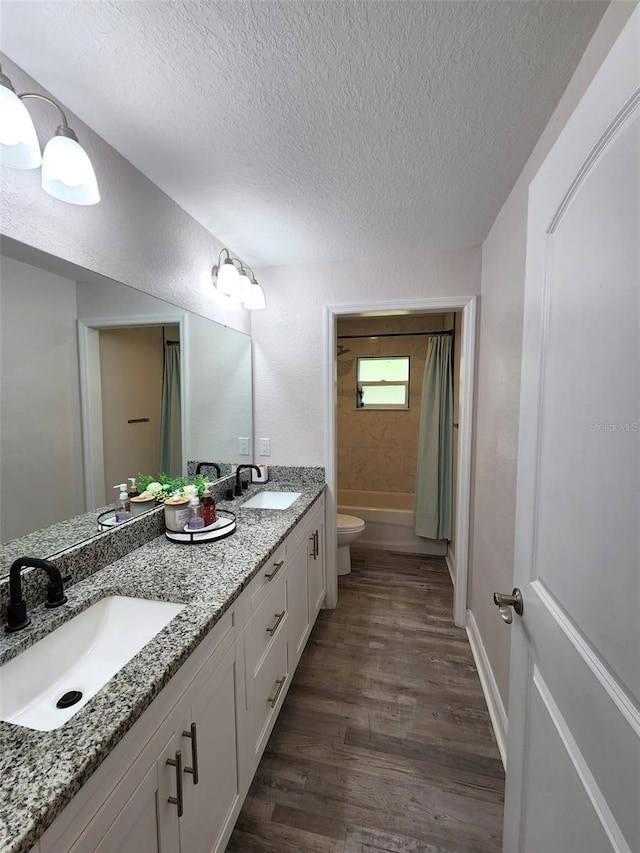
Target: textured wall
x=498, y=378
x=288, y=337
x=136, y=234
x=378, y=449
x=40, y=446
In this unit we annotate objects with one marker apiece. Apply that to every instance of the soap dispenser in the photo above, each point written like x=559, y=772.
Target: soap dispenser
x=196, y=521
x=123, y=507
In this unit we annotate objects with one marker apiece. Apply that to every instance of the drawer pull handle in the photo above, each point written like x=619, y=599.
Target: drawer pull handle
x=273, y=700
x=315, y=545
x=279, y=617
x=194, y=752
x=177, y=800
x=276, y=568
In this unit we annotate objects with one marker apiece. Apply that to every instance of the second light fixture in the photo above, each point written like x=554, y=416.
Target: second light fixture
x=234, y=279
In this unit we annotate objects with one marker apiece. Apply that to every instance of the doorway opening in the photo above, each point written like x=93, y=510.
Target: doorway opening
x=466, y=308
x=103, y=452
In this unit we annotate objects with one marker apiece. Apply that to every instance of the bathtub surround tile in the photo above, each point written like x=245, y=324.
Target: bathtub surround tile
x=41, y=771
x=371, y=442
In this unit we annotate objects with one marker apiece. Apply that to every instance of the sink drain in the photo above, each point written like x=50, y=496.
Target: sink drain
x=70, y=698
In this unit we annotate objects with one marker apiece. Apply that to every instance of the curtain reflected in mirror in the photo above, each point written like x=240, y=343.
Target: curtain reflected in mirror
x=170, y=424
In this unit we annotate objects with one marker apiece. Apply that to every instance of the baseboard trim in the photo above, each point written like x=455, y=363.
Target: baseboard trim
x=451, y=564
x=492, y=696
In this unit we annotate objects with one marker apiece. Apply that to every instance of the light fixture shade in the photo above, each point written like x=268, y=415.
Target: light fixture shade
x=19, y=147
x=244, y=285
x=228, y=282
x=254, y=299
x=67, y=173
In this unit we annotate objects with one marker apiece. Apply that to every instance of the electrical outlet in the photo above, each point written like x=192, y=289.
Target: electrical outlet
x=243, y=446
x=264, y=447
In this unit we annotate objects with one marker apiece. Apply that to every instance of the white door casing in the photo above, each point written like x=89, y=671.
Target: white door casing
x=573, y=757
x=468, y=306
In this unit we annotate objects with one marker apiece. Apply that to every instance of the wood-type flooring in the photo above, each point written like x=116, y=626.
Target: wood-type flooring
x=384, y=741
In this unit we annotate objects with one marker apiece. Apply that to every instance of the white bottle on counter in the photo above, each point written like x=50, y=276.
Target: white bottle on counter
x=123, y=509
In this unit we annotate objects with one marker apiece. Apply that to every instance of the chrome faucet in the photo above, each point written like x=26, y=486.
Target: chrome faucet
x=202, y=465
x=238, y=489
x=17, y=616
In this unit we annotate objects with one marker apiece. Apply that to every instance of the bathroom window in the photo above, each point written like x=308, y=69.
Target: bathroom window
x=382, y=383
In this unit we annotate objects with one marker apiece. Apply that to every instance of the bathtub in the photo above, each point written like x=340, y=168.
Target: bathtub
x=390, y=522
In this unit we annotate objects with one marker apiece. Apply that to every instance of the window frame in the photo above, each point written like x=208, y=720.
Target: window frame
x=380, y=383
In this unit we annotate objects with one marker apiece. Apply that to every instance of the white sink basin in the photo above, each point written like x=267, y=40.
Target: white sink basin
x=271, y=500
x=80, y=655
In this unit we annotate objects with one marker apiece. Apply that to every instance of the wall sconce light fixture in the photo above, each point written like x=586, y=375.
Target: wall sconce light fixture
x=67, y=173
x=236, y=280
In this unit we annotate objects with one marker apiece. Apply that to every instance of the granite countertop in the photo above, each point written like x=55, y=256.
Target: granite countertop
x=42, y=771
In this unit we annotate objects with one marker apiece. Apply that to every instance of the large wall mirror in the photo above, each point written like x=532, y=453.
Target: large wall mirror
x=99, y=382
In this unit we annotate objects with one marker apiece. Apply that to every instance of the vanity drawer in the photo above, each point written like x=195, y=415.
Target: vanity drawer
x=270, y=684
x=264, y=581
x=267, y=623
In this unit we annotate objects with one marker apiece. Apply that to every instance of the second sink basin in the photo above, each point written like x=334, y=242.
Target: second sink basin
x=79, y=657
x=271, y=500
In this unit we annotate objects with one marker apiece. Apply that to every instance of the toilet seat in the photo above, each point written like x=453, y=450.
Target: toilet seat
x=350, y=523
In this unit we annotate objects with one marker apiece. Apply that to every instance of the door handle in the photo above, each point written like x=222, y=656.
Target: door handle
x=177, y=800
x=505, y=602
x=193, y=735
x=273, y=628
x=276, y=568
x=273, y=700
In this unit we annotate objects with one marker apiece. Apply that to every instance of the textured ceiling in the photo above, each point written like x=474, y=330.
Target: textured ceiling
x=303, y=131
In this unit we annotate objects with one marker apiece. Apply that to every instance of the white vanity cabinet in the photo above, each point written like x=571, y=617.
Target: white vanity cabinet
x=316, y=563
x=154, y=803
x=176, y=781
x=307, y=583
x=145, y=820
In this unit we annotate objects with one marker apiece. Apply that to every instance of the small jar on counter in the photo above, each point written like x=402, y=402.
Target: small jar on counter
x=176, y=514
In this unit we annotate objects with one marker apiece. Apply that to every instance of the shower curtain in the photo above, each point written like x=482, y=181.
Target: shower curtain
x=434, y=471
x=171, y=421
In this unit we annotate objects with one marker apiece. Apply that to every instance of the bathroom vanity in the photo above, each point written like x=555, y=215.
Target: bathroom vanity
x=163, y=756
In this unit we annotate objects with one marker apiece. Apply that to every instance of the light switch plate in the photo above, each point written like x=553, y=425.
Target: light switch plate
x=243, y=446
x=264, y=446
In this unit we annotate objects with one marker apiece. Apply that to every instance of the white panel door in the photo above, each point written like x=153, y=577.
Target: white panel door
x=573, y=760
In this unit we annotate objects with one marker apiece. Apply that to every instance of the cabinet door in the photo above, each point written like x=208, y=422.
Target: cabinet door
x=316, y=570
x=147, y=822
x=298, y=629
x=212, y=805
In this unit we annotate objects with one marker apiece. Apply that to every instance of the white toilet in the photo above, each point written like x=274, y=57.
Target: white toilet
x=349, y=528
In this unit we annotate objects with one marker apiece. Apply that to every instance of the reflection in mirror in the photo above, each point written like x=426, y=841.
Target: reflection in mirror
x=72, y=425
